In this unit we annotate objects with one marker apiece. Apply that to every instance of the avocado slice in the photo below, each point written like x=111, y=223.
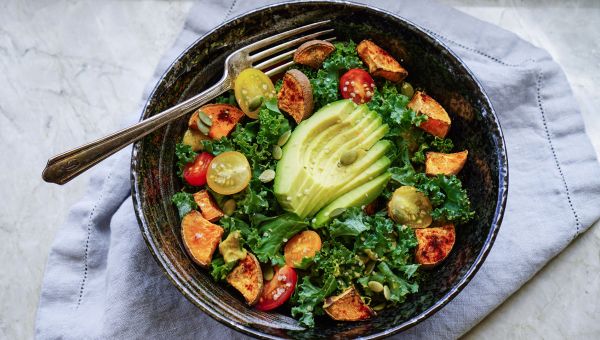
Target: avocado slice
x=359, y=196
x=309, y=175
x=361, y=171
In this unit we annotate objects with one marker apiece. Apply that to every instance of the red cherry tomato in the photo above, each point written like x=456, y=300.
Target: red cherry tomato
x=195, y=172
x=358, y=85
x=278, y=290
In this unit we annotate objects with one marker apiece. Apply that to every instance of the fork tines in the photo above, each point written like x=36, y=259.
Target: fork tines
x=273, y=59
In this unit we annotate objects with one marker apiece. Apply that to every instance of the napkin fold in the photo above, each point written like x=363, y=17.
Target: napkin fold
x=102, y=282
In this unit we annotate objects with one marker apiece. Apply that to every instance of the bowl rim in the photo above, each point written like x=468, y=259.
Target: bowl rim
x=501, y=199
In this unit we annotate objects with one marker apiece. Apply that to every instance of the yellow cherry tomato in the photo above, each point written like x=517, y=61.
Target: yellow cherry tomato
x=410, y=207
x=252, y=87
x=229, y=173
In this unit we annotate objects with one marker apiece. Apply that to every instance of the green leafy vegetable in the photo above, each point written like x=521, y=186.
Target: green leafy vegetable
x=275, y=233
x=308, y=299
x=431, y=143
x=399, y=287
x=219, y=269
x=184, y=203
x=349, y=224
x=391, y=105
x=185, y=155
x=226, y=98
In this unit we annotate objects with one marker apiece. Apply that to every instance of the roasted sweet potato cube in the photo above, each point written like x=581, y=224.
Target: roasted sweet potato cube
x=313, y=53
x=434, y=244
x=295, y=96
x=380, y=63
x=437, y=163
x=209, y=209
x=200, y=237
x=247, y=278
x=224, y=119
x=438, y=121
x=348, y=306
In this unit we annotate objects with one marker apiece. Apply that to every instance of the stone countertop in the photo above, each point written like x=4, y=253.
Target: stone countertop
x=70, y=68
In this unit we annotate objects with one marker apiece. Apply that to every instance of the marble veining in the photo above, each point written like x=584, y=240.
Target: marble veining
x=70, y=70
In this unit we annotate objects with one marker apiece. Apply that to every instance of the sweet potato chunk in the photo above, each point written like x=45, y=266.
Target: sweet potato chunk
x=224, y=119
x=437, y=163
x=209, y=209
x=313, y=53
x=295, y=96
x=347, y=306
x=200, y=237
x=434, y=244
x=438, y=121
x=380, y=63
x=247, y=278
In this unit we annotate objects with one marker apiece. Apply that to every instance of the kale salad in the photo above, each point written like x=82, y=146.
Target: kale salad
x=327, y=192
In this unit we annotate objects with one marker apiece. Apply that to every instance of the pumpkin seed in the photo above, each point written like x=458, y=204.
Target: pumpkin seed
x=375, y=286
x=407, y=89
x=337, y=212
x=349, y=157
x=202, y=127
x=284, y=138
x=205, y=118
x=267, y=176
x=268, y=273
x=277, y=152
x=229, y=207
x=371, y=254
x=370, y=267
x=379, y=307
x=386, y=292
x=255, y=103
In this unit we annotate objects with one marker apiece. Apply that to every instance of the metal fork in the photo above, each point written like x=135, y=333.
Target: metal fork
x=64, y=167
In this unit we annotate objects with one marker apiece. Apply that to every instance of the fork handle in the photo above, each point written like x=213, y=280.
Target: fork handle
x=64, y=167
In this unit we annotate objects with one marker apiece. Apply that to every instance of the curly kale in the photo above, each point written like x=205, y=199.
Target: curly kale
x=184, y=202
x=185, y=155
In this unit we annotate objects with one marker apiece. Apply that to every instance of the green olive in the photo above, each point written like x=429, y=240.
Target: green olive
x=410, y=207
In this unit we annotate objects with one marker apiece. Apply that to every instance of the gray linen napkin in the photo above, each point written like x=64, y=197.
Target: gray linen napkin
x=101, y=281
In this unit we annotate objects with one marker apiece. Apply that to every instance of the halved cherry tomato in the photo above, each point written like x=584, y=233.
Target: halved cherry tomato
x=252, y=87
x=303, y=245
x=358, y=85
x=229, y=173
x=195, y=172
x=278, y=290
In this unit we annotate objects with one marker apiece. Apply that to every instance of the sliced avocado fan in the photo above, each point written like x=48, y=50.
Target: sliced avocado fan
x=335, y=151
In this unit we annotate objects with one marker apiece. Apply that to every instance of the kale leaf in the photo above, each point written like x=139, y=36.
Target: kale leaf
x=184, y=203
x=308, y=299
x=185, y=155
x=351, y=223
x=219, y=268
x=391, y=105
x=275, y=233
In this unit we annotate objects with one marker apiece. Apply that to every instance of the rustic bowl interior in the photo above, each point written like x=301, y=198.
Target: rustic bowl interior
x=431, y=67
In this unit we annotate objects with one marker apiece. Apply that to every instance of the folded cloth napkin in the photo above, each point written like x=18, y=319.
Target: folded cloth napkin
x=101, y=281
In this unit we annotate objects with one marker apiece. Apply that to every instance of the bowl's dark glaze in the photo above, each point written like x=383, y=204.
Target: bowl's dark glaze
x=431, y=66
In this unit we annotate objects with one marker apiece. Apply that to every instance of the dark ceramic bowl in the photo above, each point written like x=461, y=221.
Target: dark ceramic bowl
x=431, y=66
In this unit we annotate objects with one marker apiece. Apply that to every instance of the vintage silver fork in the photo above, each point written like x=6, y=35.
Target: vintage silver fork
x=64, y=167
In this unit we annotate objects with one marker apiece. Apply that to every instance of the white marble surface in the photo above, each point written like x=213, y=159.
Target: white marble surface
x=70, y=68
